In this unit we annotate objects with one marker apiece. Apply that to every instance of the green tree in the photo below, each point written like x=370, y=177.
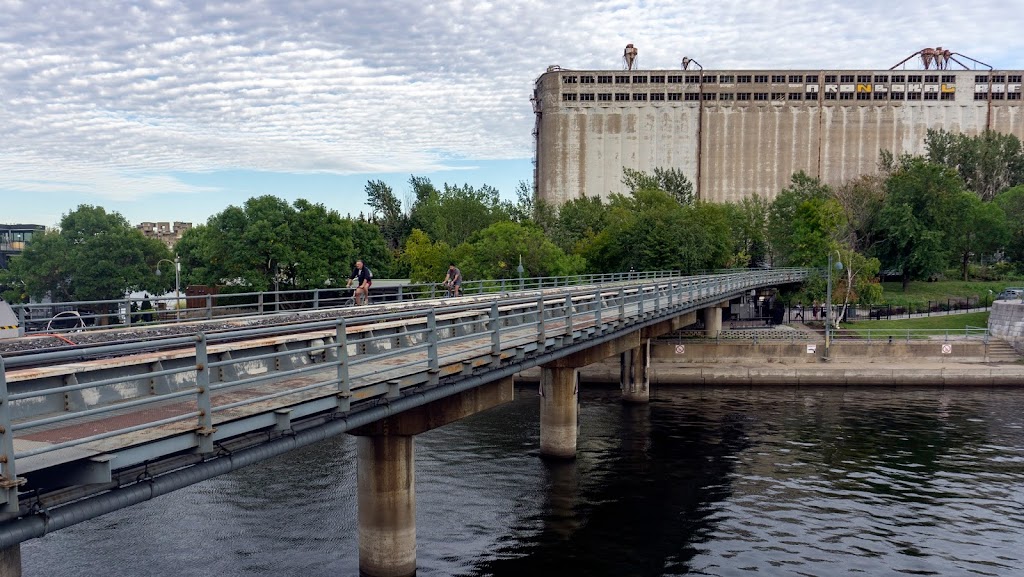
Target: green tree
x=266, y=242
x=988, y=163
x=978, y=228
x=454, y=213
x=916, y=218
x=426, y=260
x=95, y=255
x=386, y=211
x=578, y=221
x=786, y=247
x=1012, y=203
x=495, y=251
x=861, y=201
x=670, y=180
x=748, y=221
x=650, y=230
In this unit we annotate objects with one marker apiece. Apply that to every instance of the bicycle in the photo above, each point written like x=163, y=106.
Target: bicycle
x=351, y=300
x=449, y=290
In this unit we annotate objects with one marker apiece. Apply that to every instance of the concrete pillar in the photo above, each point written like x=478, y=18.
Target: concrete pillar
x=387, y=506
x=712, y=322
x=10, y=561
x=558, y=409
x=633, y=376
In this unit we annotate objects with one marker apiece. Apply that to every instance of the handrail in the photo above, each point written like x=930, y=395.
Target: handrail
x=550, y=320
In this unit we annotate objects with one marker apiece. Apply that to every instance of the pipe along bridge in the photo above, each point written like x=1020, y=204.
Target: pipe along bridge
x=81, y=438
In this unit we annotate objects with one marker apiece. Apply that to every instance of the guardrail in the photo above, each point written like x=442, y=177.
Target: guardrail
x=214, y=404
x=337, y=365
x=127, y=312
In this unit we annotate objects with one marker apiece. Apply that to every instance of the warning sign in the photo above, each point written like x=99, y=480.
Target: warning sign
x=811, y=349
x=947, y=349
x=680, y=349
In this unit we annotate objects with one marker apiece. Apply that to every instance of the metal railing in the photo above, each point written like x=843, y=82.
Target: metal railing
x=128, y=312
x=206, y=393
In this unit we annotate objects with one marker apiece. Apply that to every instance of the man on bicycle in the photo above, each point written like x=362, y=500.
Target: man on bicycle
x=364, y=278
x=453, y=280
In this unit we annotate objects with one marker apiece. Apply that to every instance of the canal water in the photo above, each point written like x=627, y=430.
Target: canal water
x=772, y=481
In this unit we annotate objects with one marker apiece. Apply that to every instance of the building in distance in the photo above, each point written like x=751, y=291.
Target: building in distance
x=14, y=238
x=737, y=133
x=164, y=232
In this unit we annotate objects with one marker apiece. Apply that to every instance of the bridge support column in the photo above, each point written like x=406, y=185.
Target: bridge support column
x=558, y=412
x=10, y=561
x=387, y=506
x=633, y=377
x=712, y=322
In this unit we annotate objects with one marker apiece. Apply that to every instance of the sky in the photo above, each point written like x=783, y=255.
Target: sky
x=165, y=110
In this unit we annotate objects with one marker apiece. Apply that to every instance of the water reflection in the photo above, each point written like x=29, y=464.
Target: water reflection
x=822, y=481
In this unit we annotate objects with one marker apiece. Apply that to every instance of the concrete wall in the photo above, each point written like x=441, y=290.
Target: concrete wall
x=1006, y=321
x=796, y=353
x=743, y=147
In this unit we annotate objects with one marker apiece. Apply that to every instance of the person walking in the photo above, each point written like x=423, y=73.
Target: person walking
x=363, y=277
x=453, y=280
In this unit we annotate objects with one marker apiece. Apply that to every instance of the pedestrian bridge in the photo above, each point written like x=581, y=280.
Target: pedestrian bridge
x=81, y=438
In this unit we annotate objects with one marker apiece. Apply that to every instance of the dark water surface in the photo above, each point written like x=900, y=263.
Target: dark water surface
x=775, y=481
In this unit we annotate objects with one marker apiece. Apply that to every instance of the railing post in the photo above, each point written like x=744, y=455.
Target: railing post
x=640, y=302
x=622, y=305
x=541, y=334
x=129, y=323
x=9, y=480
x=209, y=307
x=259, y=302
x=22, y=327
x=400, y=293
x=597, y=311
x=344, y=385
x=205, y=431
x=495, y=335
x=433, y=364
x=568, y=317
x=657, y=298
x=316, y=299
x=502, y=285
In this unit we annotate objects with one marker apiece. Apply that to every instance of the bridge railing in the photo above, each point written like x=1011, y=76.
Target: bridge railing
x=74, y=316
x=207, y=391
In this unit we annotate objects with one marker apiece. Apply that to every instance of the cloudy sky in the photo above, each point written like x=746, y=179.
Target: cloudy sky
x=173, y=110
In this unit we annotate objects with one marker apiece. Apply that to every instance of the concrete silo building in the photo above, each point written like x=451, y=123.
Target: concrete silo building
x=736, y=133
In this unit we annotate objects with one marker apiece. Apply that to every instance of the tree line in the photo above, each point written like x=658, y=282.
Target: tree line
x=959, y=204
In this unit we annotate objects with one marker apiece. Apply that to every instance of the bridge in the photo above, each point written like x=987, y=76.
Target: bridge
x=87, y=432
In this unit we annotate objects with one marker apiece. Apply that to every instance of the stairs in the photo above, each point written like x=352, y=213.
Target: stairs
x=999, y=351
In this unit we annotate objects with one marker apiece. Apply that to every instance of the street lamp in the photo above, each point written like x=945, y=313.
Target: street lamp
x=828, y=301
x=177, y=283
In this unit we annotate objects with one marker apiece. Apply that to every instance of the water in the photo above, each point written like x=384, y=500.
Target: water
x=774, y=481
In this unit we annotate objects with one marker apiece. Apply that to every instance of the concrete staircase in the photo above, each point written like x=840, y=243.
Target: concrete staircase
x=999, y=351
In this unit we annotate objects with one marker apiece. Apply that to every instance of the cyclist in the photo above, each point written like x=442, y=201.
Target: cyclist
x=364, y=278
x=453, y=280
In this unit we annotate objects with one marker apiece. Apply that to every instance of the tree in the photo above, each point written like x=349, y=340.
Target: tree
x=783, y=214
x=386, y=211
x=978, y=228
x=266, y=242
x=670, y=180
x=495, y=251
x=651, y=230
x=988, y=163
x=861, y=201
x=1012, y=203
x=425, y=260
x=95, y=255
x=748, y=221
x=578, y=221
x=454, y=213
x=916, y=218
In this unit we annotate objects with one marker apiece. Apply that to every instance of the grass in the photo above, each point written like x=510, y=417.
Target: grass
x=954, y=322
x=919, y=292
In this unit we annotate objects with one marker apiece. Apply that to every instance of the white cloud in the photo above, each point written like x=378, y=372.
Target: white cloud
x=111, y=96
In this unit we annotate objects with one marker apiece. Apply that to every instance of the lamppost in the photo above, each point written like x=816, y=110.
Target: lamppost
x=177, y=283
x=828, y=301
